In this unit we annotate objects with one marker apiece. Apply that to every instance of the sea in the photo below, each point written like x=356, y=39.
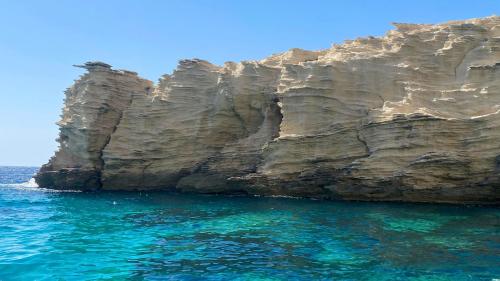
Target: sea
x=51, y=235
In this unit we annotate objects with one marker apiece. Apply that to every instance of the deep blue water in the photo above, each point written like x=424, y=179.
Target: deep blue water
x=157, y=236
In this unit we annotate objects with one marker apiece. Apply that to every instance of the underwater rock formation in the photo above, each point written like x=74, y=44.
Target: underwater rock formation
x=411, y=116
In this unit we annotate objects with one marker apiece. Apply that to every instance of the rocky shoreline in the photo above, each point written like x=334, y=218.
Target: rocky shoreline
x=412, y=116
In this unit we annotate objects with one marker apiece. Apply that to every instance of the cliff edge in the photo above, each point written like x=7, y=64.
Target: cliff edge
x=411, y=116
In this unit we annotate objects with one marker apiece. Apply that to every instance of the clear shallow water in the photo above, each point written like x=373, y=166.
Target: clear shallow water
x=157, y=236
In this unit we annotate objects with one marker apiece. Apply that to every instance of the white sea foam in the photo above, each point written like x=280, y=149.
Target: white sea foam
x=31, y=185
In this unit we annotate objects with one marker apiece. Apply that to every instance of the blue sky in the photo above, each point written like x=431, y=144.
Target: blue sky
x=40, y=40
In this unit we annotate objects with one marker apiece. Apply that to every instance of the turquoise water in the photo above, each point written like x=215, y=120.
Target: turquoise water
x=156, y=236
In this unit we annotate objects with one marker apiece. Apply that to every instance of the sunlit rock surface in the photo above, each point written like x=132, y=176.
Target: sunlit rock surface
x=411, y=116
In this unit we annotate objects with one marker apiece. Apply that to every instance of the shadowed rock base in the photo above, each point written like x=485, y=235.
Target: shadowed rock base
x=74, y=179
x=318, y=187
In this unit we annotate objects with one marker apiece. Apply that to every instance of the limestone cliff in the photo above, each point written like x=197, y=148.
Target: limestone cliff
x=411, y=116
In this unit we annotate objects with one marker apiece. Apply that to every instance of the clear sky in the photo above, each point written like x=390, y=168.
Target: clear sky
x=40, y=40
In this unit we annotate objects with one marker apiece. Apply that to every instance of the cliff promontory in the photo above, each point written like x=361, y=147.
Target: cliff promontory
x=411, y=116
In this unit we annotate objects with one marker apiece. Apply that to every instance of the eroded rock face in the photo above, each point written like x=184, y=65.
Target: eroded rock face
x=411, y=116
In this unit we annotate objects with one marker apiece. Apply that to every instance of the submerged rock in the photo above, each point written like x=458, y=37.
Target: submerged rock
x=411, y=116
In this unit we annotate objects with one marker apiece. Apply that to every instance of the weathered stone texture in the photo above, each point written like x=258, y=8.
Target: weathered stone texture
x=411, y=116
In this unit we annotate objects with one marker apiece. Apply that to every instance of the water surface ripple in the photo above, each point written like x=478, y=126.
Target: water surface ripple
x=158, y=236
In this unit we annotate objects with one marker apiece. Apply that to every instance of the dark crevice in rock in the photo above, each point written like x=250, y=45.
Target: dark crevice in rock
x=101, y=163
x=361, y=140
x=497, y=163
x=276, y=116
